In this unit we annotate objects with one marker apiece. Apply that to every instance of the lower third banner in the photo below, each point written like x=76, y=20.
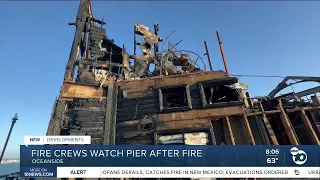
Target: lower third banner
x=161, y=161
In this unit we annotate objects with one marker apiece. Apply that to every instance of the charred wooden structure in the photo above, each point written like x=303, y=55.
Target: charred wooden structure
x=103, y=95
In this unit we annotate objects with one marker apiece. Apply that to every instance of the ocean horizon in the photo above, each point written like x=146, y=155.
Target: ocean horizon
x=9, y=168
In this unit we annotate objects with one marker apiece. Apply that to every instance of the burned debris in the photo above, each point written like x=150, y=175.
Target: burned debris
x=175, y=98
x=116, y=98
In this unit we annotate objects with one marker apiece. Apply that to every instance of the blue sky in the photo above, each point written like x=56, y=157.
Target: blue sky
x=262, y=38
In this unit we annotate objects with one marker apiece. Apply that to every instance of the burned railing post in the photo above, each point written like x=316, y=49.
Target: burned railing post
x=208, y=55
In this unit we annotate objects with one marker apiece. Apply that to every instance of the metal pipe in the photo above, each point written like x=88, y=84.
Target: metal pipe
x=134, y=40
x=14, y=119
x=222, y=54
x=208, y=55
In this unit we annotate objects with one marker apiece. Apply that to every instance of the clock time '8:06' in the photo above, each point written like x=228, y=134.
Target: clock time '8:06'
x=272, y=151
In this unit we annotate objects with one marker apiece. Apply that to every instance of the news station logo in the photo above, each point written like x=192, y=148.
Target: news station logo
x=298, y=156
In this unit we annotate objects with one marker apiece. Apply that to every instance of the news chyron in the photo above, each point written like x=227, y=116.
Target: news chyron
x=49, y=157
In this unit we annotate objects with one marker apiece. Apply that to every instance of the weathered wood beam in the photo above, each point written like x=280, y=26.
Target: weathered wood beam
x=265, y=112
x=303, y=93
x=288, y=126
x=249, y=99
x=315, y=99
x=200, y=113
x=248, y=129
x=190, y=115
x=272, y=112
x=109, y=136
x=309, y=129
x=245, y=99
x=213, y=137
x=303, y=108
x=230, y=131
x=316, y=102
x=73, y=90
x=132, y=130
x=268, y=126
x=174, y=80
x=253, y=114
x=194, y=123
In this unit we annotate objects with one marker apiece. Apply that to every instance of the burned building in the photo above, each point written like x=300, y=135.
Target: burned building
x=116, y=98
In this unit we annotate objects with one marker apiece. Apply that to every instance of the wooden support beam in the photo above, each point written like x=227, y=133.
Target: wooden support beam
x=155, y=138
x=253, y=114
x=248, y=129
x=250, y=101
x=265, y=112
x=110, y=118
x=232, y=139
x=316, y=102
x=199, y=114
x=288, y=126
x=73, y=90
x=174, y=80
x=272, y=112
x=213, y=137
x=310, y=130
x=130, y=131
x=315, y=99
x=245, y=99
x=268, y=126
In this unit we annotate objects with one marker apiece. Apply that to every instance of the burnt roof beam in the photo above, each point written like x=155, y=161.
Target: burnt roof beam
x=283, y=84
x=303, y=93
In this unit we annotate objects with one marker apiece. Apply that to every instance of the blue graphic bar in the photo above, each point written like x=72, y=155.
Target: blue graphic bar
x=168, y=155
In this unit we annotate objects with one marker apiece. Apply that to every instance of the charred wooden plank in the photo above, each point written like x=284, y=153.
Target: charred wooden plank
x=165, y=81
x=73, y=90
x=187, y=115
x=230, y=132
x=224, y=81
x=82, y=16
x=268, y=126
x=134, y=135
x=288, y=126
x=138, y=107
x=248, y=129
x=194, y=123
x=109, y=136
x=312, y=134
x=200, y=113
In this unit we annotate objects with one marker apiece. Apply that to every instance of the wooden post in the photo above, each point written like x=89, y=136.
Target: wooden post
x=316, y=101
x=287, y=125
x=309, y=129
x=248, y=129
x=245, y=98
x=232, y=139
x=268, y=125
x=250, y=101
